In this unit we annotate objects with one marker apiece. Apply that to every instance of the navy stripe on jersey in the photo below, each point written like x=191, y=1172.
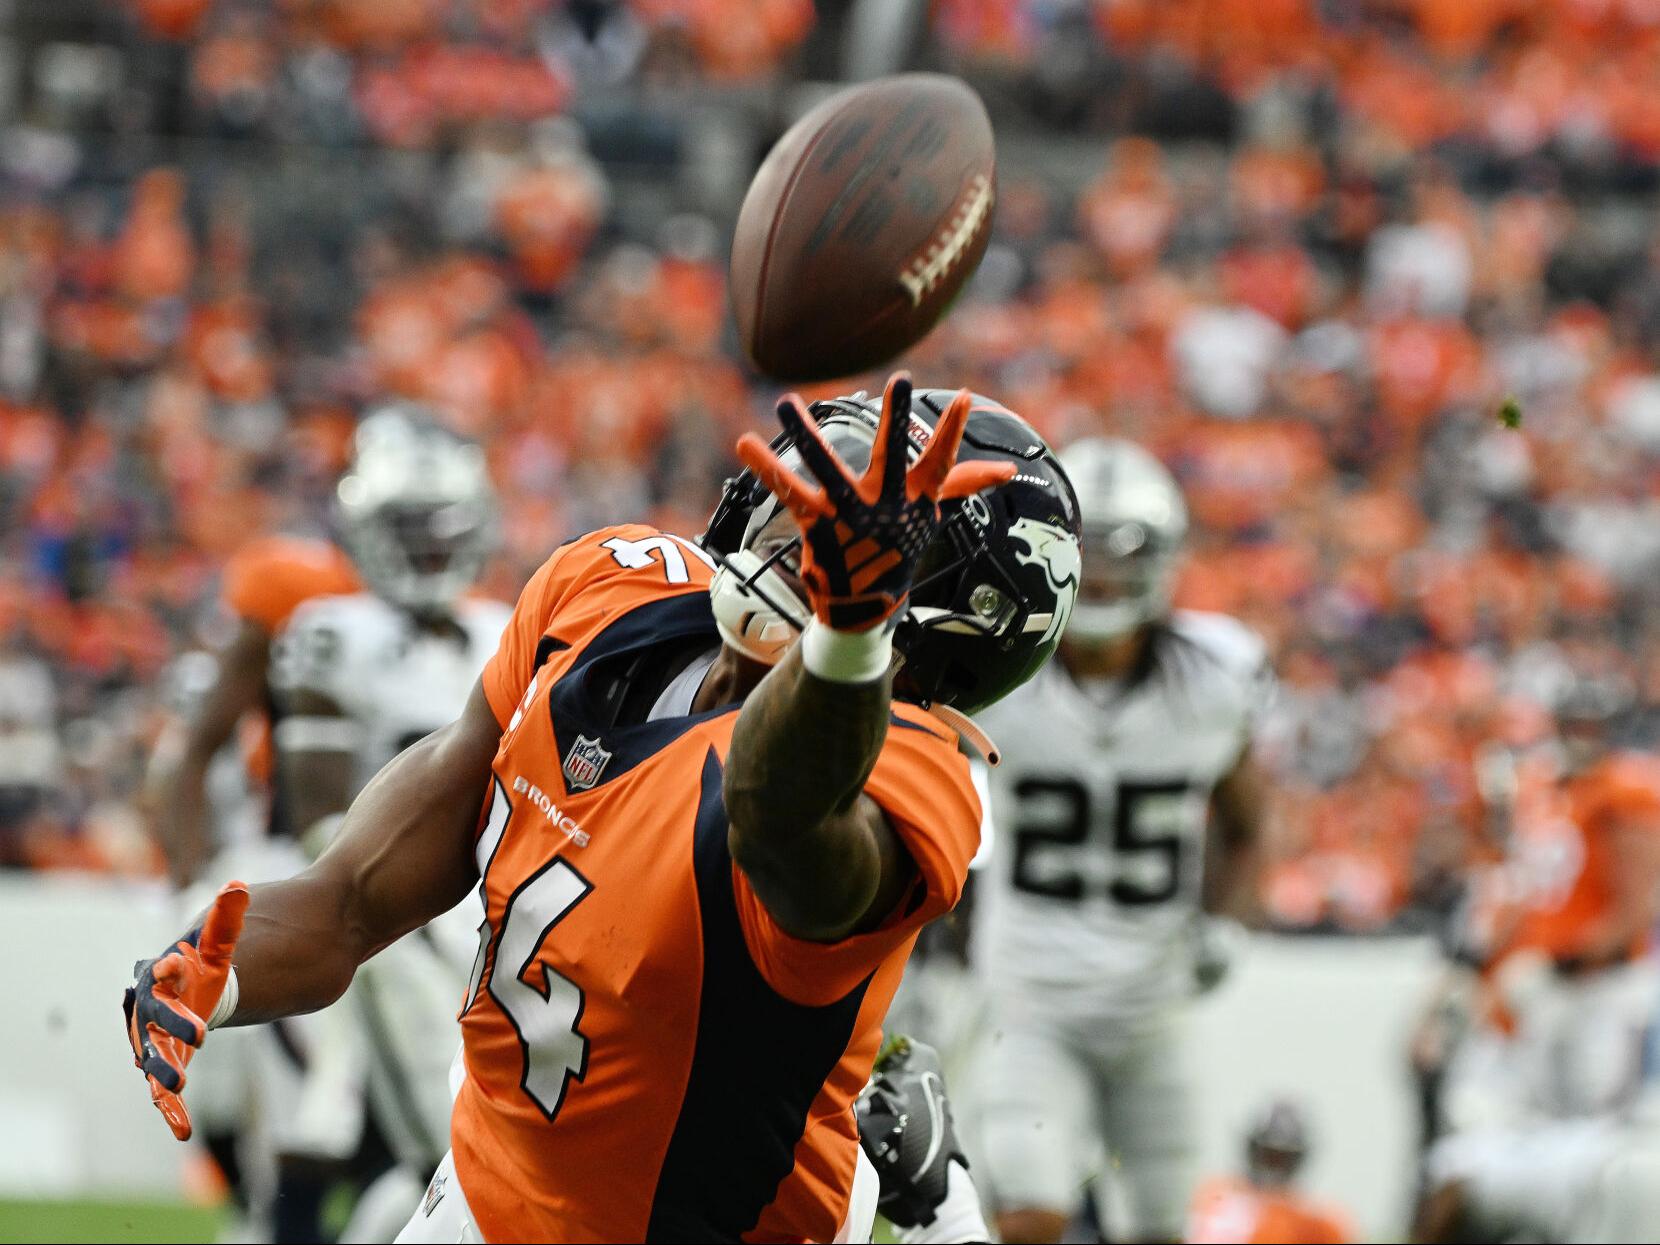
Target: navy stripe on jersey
x=758, y=1064
x=570, y=700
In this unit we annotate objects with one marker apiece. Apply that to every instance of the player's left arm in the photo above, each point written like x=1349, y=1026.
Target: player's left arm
x=316, y=739
x=316, y=759
x=1235, y=840
x=1633, y=890
x=818, y=851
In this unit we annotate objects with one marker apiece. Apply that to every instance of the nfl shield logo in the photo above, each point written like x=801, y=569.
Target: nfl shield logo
x=584, y=763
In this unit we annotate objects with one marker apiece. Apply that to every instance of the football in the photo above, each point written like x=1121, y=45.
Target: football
x=861, y=226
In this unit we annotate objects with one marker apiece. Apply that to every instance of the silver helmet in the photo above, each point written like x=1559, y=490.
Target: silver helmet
x=1134, y=522
x=416, y=509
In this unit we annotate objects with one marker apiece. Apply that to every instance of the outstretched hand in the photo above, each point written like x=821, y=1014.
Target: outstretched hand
x=172, y=996
x=862, y=537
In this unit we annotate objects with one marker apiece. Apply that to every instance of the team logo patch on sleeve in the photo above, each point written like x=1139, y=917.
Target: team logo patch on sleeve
x=584, y=763
x=435, y=1194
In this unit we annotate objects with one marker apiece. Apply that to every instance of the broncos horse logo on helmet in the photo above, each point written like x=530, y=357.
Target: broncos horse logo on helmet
x=991, y=594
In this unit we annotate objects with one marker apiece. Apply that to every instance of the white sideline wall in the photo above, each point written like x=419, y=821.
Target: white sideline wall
x=1322, y=1020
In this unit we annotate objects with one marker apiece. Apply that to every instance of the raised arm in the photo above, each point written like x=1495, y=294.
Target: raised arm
x=817, y=850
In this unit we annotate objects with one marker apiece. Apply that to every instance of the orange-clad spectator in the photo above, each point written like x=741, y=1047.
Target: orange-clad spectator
x=224, y=343
x=1275, y=278
x=1459, y=29
x=1238, y=475
x=172, y=19
x=154, y=256
x=236, y=68
x=733, y=39
x=548, y=214
x=1127, y=213
x=1275, y=183
x=1263, y=1207
x=986, y=30
x=377, y=24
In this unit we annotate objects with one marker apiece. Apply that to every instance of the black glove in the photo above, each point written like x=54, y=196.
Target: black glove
x=906, y=1131
x=863, y=536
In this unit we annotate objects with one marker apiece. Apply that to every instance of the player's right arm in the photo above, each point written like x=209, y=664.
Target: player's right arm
x=402, y=857
x=175, y=790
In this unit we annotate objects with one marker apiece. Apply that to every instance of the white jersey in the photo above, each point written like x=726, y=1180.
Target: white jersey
x=1091, y=896
x=395, y=681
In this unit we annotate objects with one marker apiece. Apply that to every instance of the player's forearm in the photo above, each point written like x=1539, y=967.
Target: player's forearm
x=802, y=749
x=403, y=855
x=176, y=796
x=1235, y=842
x=301, y=943
x=1232, y=880
x=801, y=752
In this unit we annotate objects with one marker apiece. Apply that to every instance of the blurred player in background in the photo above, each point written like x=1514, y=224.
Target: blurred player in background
x=1263, y=1207
x=357, y=679
x=1563, y=985
x=1128, y=812
x=209, y=836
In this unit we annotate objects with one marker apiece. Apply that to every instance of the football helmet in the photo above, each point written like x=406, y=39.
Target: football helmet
x=992, y=592
x=416, y=510
x=1134, y=522
x=1276, y=1144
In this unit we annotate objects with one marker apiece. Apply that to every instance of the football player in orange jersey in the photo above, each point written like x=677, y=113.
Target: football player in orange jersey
x=1264, y=1208
x=695, y=835
x=1569, y=987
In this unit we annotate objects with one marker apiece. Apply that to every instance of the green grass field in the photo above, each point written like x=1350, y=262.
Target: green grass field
x=106, y=1221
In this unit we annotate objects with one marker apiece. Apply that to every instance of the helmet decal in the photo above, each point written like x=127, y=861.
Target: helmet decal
x=1055, y=550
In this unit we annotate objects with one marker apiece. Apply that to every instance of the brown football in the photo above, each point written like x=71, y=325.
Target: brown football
x=861, y=225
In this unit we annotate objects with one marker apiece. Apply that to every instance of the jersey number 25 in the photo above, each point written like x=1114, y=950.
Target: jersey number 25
x=1146, y=847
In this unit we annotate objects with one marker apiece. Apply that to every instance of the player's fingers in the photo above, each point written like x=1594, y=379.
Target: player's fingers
x=969, y=478
x=819, y=458
x=129, y=1010
x=172, y=1110
x=886, y=473
x=223, y=924
x=803, y=500
x=163, y=1071
x=940, y=454
x=163, y=1006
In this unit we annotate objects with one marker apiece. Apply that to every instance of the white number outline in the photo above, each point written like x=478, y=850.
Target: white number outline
x=546, y=1019
x=635, y=554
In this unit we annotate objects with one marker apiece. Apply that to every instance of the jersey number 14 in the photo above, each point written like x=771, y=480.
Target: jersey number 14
x=544, y=1007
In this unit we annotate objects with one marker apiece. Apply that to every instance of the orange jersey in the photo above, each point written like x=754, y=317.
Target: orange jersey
x=1228, y=1209
x=649, y=1056
x=1563, y=851
x=264, y=583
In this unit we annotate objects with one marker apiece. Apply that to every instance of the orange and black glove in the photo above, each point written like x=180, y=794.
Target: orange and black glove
x=862, y=537
x=172, y=996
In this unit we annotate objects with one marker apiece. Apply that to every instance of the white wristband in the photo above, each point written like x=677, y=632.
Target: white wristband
x=846, y=656
x=225, y=1008
x=957, y=1218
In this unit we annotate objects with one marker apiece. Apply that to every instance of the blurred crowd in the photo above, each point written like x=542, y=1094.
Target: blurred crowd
x=1303, y=249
